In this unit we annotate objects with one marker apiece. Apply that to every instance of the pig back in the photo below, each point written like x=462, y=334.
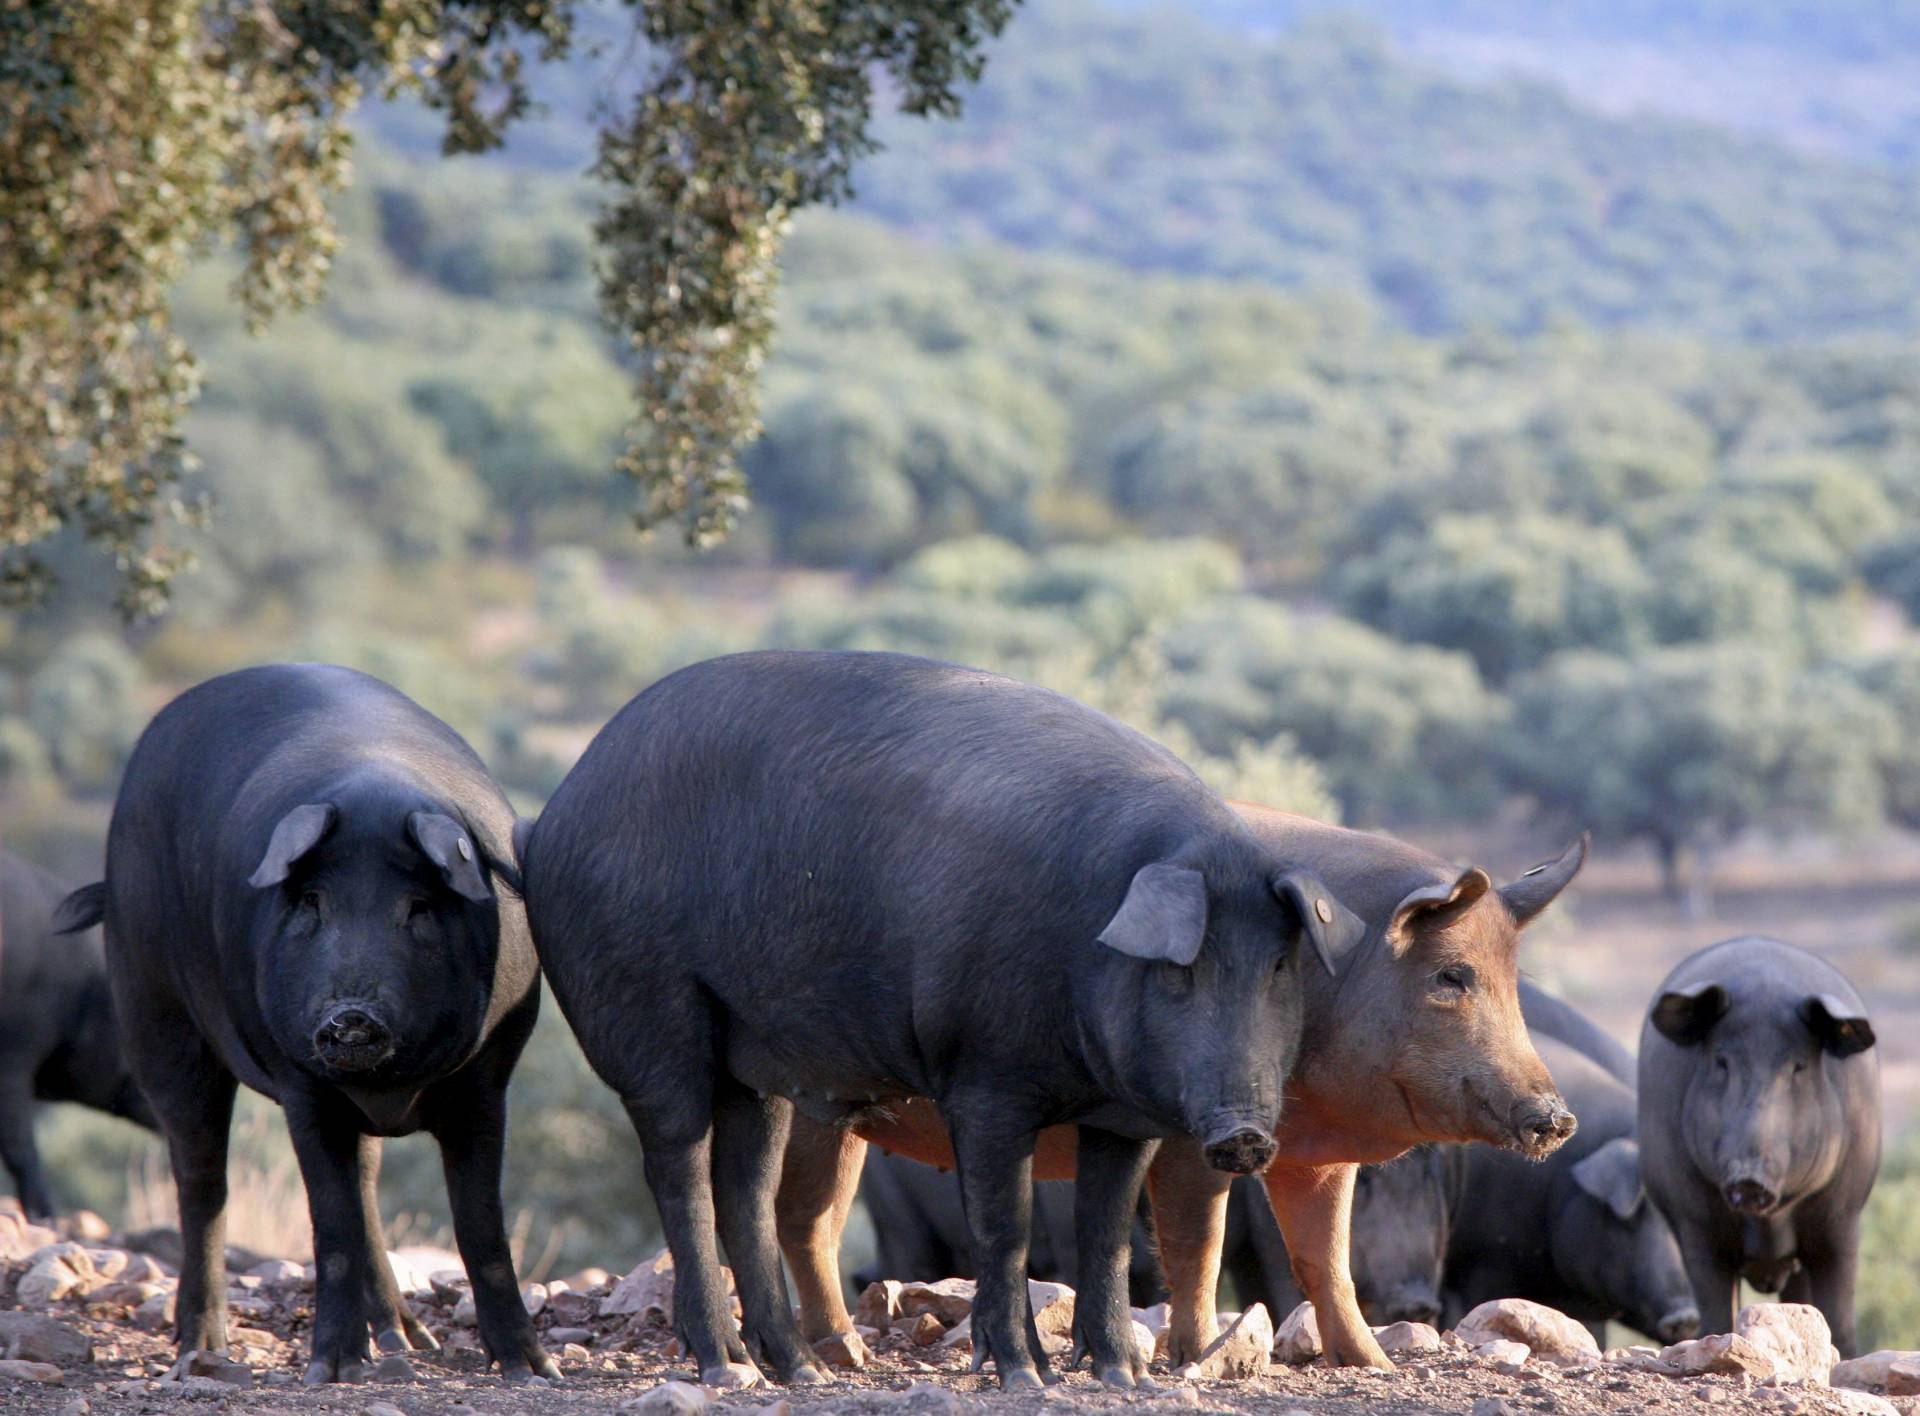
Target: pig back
x=869, y=848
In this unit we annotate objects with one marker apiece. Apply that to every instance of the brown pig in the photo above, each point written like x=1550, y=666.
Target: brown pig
x=1418, y=1039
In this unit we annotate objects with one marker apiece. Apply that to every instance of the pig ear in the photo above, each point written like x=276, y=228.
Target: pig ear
x=1456, y=894
x=1164, y=916
x=1612, y=1176
x=1332, y=928
x=1687, y=1015
x=1539, y=887
x=299, y=831
x=1840, y=1028
x=447, y=844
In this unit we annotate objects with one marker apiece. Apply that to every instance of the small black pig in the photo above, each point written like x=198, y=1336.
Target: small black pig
x=1574, y=1232
x=848, y=879
x=300, y=895
x=57, y=1040
x=1760, y=1125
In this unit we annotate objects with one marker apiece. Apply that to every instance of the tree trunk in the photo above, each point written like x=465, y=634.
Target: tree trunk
x=1699, y=903
x=1673, y=881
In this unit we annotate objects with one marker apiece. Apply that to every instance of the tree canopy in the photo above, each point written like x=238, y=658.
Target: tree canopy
x=135, y=137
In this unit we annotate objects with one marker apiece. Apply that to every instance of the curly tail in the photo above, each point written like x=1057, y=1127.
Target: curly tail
x=83, y=909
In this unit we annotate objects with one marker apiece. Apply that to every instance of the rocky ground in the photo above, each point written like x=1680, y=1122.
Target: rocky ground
x=84, y=1321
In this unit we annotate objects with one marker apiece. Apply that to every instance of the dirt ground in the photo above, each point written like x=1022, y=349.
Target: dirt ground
x=611, y=1362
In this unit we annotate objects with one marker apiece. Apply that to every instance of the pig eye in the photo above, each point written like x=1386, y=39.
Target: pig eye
x=1175, y=978
x=1456, y=976
x=310, y=901
x=1722, y=1066
x=417, y=911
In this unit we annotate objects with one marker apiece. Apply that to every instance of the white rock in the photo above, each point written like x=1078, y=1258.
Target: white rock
x=1155, y=1320
x=279, y=1273
x=649, y=1288
x=1143, y=1341
x=1864, y=1403
x=1242, y=1350
x=844, y=1350
x=43, y=1373
x=1551, y=1335
x=1405, y=1339
x=1298, y=1340
x=1052, y=1309
x=1504, y=1355
x=534, y=1297
x=1725, y=1353
x=109, y=1263
x=1869, y=1372
x=1794, y=1335
x=669, y=1399
x=879, y=1305
x=948, y=1299
x=55, y=1272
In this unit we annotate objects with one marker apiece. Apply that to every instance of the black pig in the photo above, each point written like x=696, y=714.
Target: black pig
x=846, y=879
x=300, y=896
x=57, y=1041
x=1760, y=1125
x=1574, y=1232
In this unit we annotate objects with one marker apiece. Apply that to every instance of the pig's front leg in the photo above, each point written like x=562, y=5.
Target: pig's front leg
x=1105, y=1198
x=328, y=1149
x=1832, y=1262
x=993, y=1145
x=472, y=1155
x=1189, y=1199
x=1313, y=1205
x=819, y=1178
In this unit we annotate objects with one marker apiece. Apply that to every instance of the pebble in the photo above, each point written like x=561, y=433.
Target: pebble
x=394, y=1367
x=381, y=1408
x=1494, y=1406
x=44, y=1373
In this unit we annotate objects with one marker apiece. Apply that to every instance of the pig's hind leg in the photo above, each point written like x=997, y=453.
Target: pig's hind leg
x=395, y=1328
x=192, y=1098
x=749, y=1139
x=994, y=1148
x=669, y=1096
x=1106, y=1195
x=17, y=1147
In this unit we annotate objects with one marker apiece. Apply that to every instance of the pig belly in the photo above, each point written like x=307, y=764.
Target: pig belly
x=829, y=1086
x=914, y=1129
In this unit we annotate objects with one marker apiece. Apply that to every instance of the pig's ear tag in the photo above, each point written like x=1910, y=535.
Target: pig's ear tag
x=1332, y=928
x=298, y=832
x=1612, y=1176
x=1840, y=1028
x=444, y=842
x=1164, y=916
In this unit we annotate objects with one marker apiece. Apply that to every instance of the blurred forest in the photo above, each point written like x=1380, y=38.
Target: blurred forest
x=1398, y=446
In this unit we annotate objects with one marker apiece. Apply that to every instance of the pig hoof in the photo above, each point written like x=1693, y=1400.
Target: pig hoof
x=322, y=1370
x=731, y=1374
x=1020, y=1379
x=1116, y=1376
x=806, y=1374
x=392, y=1340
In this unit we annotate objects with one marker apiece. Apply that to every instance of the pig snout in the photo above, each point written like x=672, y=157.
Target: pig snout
x=1747, y=1195
x=1414, y=1303
x=1240, y=1150
x=353, y=1038
x=1678, y=1326
x=1541, y=1125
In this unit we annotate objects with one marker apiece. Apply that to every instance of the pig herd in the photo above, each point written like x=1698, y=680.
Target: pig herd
x=793, y=905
